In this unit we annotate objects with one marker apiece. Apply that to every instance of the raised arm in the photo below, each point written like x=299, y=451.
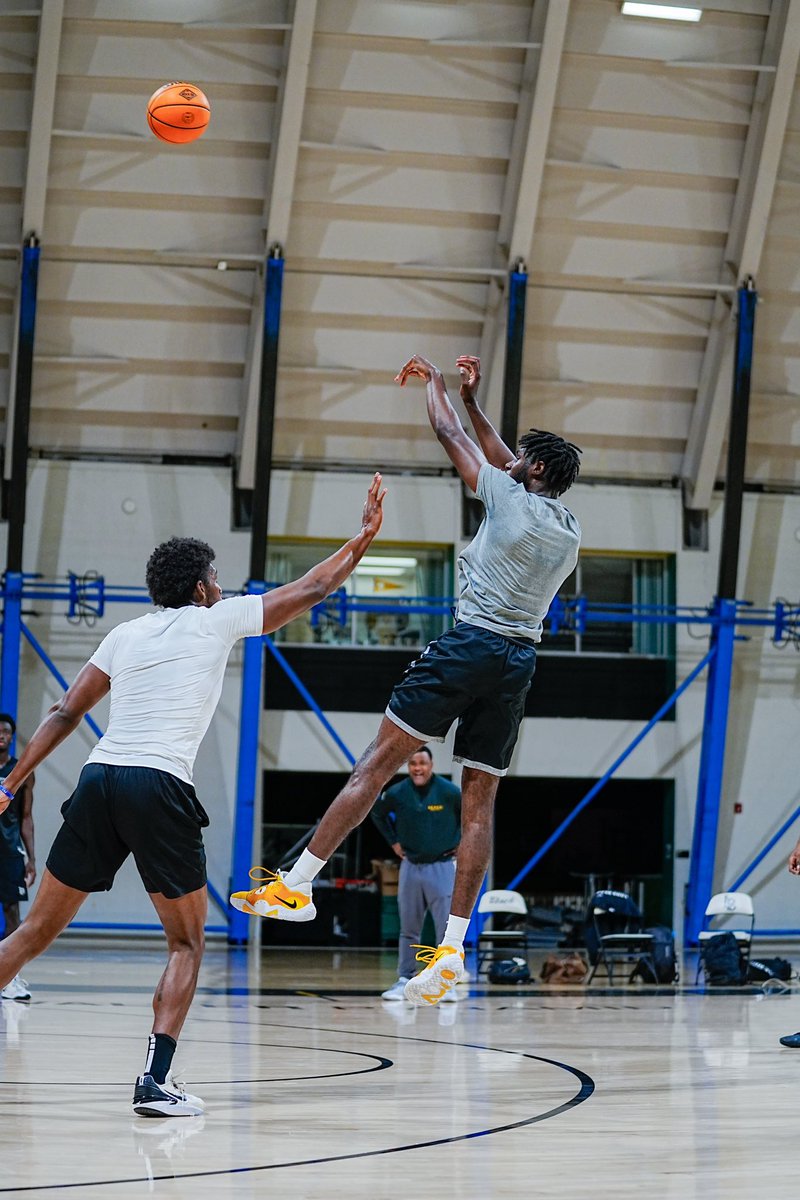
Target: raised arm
x=293, y=599
x=90, y=686
x=493, y=446
x=465, y=456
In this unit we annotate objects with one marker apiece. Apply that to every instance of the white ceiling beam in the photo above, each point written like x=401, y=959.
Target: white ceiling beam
x=523, y=187
x=45, y=78
x=746, y=237
x=281, y=174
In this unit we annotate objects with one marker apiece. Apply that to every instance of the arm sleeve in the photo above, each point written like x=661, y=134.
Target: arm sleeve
x=381, y=817
x=103, y=656
x=237, y=617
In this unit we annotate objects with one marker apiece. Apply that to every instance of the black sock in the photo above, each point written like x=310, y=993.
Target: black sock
x=160, y=1049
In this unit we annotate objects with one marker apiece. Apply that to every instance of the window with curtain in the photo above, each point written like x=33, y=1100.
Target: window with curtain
x=613, y=578
x=389, y=583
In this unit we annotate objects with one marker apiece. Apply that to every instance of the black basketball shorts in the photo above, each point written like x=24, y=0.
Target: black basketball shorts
x=476, y=677
x=12, y=879
x=116, y=811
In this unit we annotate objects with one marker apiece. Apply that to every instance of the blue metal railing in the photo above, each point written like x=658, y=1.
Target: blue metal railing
x=89, y=596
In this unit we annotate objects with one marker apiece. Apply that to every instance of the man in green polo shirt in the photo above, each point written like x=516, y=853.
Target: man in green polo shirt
x=420, y=817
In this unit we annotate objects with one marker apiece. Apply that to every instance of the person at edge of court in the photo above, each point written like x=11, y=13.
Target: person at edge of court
x=17, y=858
x=135, y=795
x=792, y=1040
x=477, y=673
x=420, y=817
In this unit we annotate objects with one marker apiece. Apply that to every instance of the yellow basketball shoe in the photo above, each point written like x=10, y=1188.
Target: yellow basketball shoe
x=274, y=899
x=444, y=967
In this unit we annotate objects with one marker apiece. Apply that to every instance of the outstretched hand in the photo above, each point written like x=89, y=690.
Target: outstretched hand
x=416, y=366
x=372, y=517
x=469, y=369
x=794, y=860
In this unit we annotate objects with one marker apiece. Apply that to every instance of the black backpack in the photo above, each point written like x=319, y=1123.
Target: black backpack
x=723, y=963
x=509, y=970
x=666, y=963
x=761, y=969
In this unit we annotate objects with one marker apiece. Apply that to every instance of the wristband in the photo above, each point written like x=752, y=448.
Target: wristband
x=6, y=792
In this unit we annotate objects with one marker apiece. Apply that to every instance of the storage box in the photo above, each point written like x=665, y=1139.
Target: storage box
x=387, y=872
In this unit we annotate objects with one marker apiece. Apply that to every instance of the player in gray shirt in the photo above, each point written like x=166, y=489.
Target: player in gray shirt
x=477, y=673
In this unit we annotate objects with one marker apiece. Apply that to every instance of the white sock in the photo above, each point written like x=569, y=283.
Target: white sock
x=455, y=932
x=307, y=867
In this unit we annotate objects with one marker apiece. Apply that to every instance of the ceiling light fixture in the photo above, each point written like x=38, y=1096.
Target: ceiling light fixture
x=663, y=12
x=387, y=560
x=387, y=571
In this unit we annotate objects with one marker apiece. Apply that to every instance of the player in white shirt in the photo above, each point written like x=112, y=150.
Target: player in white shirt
x=135, y=794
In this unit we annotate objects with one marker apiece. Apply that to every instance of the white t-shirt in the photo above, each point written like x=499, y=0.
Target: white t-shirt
x=166, y=672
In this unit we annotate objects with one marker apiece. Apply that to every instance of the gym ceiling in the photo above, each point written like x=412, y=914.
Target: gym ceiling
x=403, y=154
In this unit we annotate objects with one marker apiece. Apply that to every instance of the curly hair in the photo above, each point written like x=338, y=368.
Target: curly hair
x=560, y=457
x=174, y=569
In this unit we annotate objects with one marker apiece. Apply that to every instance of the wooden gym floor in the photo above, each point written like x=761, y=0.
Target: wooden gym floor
x=316, y=1088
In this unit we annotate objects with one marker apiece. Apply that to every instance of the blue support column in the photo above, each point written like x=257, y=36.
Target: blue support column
x=712, y=764
x=273, y=300
x=15, y=491
x=252, y=668
x=246, y=775
x=715, y=725
x=12, y=634
x=515, y=347
x=21, y=403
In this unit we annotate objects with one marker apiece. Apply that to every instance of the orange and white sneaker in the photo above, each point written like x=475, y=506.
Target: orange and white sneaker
x=444, y=967
x=274, y=899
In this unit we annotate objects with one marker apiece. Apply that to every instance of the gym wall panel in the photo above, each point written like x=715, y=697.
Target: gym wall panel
x=76, y=522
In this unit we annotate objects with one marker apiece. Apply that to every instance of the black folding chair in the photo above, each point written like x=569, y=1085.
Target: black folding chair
x=614, y=934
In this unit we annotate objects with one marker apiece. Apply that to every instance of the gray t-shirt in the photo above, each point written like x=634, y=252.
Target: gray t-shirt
x=526, y=547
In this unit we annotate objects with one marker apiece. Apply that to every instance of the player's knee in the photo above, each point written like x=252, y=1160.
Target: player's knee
x=197, y=945
x=189, y=942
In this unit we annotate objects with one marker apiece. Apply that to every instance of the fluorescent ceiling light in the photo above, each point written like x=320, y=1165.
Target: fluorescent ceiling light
x=362, y=570
x=664, y=12
x=389, y=560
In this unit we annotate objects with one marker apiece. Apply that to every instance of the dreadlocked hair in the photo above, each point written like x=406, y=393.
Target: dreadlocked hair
x=174, y=569
x=559, y=456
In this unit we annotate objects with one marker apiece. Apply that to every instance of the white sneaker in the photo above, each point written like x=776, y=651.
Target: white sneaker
x=17, y=989
x=397, y=990
x=167, y=1099
x=444, y=967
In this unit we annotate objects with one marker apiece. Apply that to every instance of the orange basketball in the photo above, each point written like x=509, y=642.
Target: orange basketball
x=178, y=112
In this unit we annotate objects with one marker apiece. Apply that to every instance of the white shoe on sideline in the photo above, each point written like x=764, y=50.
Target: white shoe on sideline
x=17, y=989
x=397, y=990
